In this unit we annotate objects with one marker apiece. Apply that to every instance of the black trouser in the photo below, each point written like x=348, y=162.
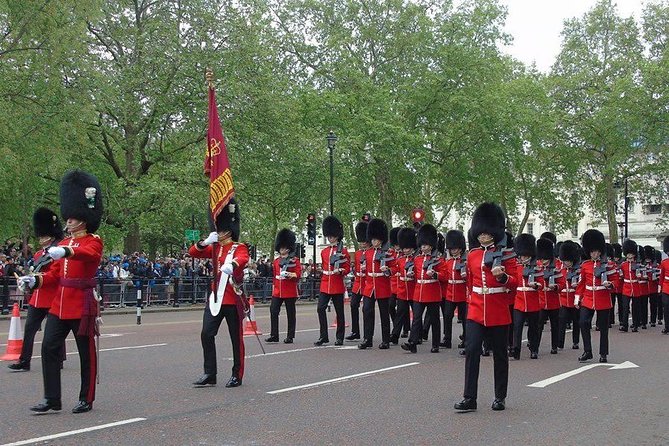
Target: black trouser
x=552, y=316
x=355, y=313
x=448, y=318
x=660, y=309
x=496, y=337
x=33, y=322
x=368, y=315
x=532, y=318
x=665, y=309
x=655, y=304
x=338, y=302
x=644, y=310
x=602, y=322
x=275, y=310
x=409, y=319
x=612, y=316
x=432, y=316
x=509, y=337
x=637, y=310
x=55, y=332
x=210, y=325
x=401, y=318
x=624, y=310
x=568, y=315
x=392, y=308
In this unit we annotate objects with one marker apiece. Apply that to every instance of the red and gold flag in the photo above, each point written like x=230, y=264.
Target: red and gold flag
x=216, y=163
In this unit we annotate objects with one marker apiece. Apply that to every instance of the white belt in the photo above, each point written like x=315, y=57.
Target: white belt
x=406, y=279
x=486, y=290
x=595, y=288
x=631, y=281
x=525, y=288
x=329, y=273
x=279, y=277
x=666, y=278
x=424, y=281
x=359, y=274
x=643, y=281
x=568, y=290
x=375, y=274
x=457, y=281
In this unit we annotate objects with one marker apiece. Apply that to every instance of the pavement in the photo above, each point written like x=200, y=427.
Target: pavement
x=298, y=394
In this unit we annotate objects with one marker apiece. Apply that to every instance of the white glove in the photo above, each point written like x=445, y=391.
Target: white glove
x=577, y=301
x=25, y=280
x=284, y=274
x=56, y=252
x=227, y=268
x=211, y=239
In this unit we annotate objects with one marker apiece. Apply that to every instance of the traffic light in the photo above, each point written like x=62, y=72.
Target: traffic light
x=418, y=216
x=311, y=229
x=366, y=217
x=299, y=250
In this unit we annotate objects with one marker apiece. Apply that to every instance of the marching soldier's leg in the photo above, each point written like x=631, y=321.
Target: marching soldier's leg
x=533, y=333
x=654, y=303
x=636, y=313
x=33, y=321
x=367, y=321
x=402, y=314
x=562, y=329
x=623, y=310
x=338, y=302
x=392, y=307
x=518, y=324
x=553, y=317
x=355, y=317
x=88, y=362
x=576, y=327
x=665, y=310
x=210, y=325
x=433, y=313
x=448, y=323
x=323, y=300
x=498, y=339
x=292, y=317
x=55, y=332
x=603, y=335
x=473, y=348
x=274, y=311
x=416, y=328
x=234, y=316
x=384, y=315
x=585, y=322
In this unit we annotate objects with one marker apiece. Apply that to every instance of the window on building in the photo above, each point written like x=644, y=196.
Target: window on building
x=530, y=228
x=574, y=231
x=653, y=209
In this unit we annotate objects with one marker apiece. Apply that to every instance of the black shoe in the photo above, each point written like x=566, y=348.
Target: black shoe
x=410, y=347
x=610, y=325
x=575, y=347
x=659, y=322
x=466, y=405
x=364, y=345
x=434, y=350
x=516, y=354
x=384, y=346
x=554, y=351
x=665, y=331
x=586, y=356
x=339, y=342
x=205, y=380
x=446, y=343
x=462, y=352
x=596, y=328
x=321, y=342
x=635, y=330
x=534, y=355
x=623, y=328
x=652, y=325
x=47, y=405
x=394, y=340
x=404, y=335
x=19, y=366
x=233, y=382
x=352, y=337
x=82, y=406
x=272, y=339
x=486, y=352
x=643, y=327
x=461, y=344
x=602, y=359
x=419, y=342
x=498, y=404
x=425, y=335
x=288, y=341
x=461, y=337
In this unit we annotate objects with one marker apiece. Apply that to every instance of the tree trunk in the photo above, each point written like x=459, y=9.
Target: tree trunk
x=611, y=209
x=526, y=216
x=132, y=242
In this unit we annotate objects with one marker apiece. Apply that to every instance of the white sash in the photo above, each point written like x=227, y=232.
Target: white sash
x=215, y=304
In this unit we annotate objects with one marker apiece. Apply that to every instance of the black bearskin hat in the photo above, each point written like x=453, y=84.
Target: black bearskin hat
x=658, y=256
x=455, y=240
x=361, y=231
x=472, y=241
x=509, y=240
x=228, y=219
x=46, y=224
x=285, y=238
x=665, y=245
x=630, y=247
x=569, y=251
x=649, y=253
x=489, y=218
x=545, y=249
x=81, y=198
x=617, y=250
x=427, y=235
x=550, y=236
x=593, y=240
x=609, y=250
x=407, y=238
x=441, y=242
x=525, y=245
x=377, y=229
x=393, y=236
x=332, y=227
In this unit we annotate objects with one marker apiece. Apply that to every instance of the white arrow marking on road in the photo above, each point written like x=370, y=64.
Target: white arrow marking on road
x=554, y=379
x=75, y=432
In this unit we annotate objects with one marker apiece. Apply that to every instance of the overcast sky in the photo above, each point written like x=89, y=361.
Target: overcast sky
x=536, y=25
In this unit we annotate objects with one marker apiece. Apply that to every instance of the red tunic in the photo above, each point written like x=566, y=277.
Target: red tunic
x=377, y=282
x=359, y=273
x=489, y=298
x=632, y=286
x=81, y=262
x=240, y=258
x=393, y=278
x=43, y=297
x=567, y=289
x=548, y=299
x=664, y=277
x=527, y=298
x=286, y=287
x=332, y=282
x=456, y=283
x=652, y=282
x=405, y=284
x=428, y=288
x=593, y=294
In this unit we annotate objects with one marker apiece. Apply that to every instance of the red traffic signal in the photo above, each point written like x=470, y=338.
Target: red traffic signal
x=418, y=215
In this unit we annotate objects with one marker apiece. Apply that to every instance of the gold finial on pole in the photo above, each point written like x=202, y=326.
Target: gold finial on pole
x=209, y=76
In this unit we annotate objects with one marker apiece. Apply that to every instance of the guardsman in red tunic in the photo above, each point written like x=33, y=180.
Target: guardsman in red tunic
x=599, y=278
x=570, y=275
x=430, y=272
x=358, y=279
x=491, y=276
x=230, y=259
x=549, y=295
x=378, y=261
x=455, y=286
x=75, y=307
x=664, y=284
x=527, y=305
x=336, y=265
x=49, y=232
x=406, y=282
x=393, y=252
x=287, y=271
x=615, y=296
x=631, y=272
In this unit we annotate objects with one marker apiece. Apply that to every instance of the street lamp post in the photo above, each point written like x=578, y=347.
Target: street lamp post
x=624, y=225
x=332, y=140
x=627, y=200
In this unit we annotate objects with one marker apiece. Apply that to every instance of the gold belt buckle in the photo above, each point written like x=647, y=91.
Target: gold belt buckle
x=485, y=290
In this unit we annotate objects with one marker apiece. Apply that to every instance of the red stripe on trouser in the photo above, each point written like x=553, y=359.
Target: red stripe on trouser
x=90, y=397
x=240, y=314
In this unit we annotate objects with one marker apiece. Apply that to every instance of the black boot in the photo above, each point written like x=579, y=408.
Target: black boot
x=466, y=405
x=233, y=382
x=365, y=344
x=321, y=341
x=498, y=404
x=206, y=379
x=272, y=339
x=586, y=356
x=352, y=337
x=46, y=405
x=410, y=347
x=19, y=366
x=82, y=406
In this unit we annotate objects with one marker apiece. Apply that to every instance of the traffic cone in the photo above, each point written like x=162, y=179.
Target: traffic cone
x=334, y=324
x=250, y=326
x=15, y=340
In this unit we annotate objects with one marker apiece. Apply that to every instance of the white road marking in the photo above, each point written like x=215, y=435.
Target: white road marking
x=343, y=378
x=131, y=347
x=547, y=382
x=69, y=338
x=74, y=432
x=283, y=352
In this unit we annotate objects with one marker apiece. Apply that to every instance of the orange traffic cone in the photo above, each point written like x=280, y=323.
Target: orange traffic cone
x=250, y=326
x=15, y=340
x=334, y=323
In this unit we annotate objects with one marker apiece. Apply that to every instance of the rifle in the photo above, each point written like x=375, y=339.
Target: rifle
x=286, y=262
x=461, y=264
x=337, y=258
x=382, y=256
x=549, y=274
x=602, y=271
x=433, y=261
x=495, y=258
x=530, y=271
x=574, y=275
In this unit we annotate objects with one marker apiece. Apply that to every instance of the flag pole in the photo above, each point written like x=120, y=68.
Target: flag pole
x=209, y=76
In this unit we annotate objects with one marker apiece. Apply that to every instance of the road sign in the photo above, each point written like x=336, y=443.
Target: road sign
x=192, y=235
x=554, y=379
